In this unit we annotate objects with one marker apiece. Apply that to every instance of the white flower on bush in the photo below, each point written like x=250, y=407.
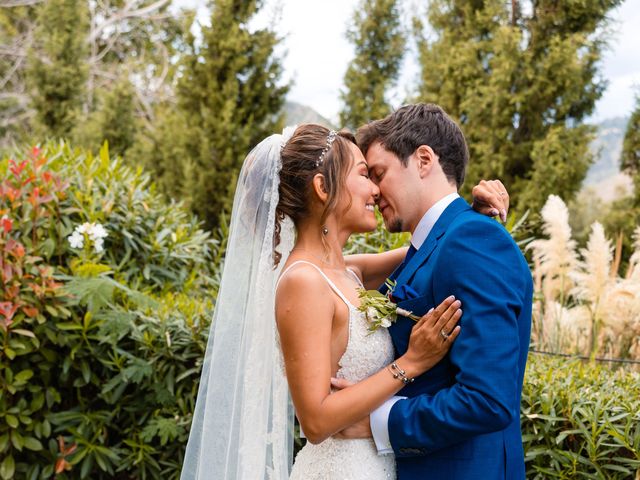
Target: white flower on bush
x=97, y=232
x=76, y=239
x=98, y=245
x=94, y=231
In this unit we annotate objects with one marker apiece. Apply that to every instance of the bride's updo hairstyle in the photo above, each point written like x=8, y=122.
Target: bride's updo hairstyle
x=301, y=157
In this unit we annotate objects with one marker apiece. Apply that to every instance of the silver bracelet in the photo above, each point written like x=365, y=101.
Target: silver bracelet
x=400, y=374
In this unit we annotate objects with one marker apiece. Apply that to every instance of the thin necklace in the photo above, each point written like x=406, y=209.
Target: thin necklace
x=297, y=249
x=342, y=268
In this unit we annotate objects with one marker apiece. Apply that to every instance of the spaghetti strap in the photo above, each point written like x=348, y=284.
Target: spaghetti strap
x=328, y=280
x=355, y=275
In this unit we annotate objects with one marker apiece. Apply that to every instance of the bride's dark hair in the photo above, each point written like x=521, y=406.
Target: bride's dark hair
x=299, y=158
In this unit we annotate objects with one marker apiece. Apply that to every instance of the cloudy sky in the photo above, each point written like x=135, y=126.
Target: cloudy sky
x=316, y=53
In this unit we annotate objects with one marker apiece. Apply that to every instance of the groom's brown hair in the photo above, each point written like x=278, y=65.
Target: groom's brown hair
x=404, y=130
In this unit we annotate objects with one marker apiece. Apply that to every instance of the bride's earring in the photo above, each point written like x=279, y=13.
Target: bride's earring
x=325, y=230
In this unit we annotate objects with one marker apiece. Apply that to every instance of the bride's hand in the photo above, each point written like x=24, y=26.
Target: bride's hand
x=490, y=197
x=431, y=337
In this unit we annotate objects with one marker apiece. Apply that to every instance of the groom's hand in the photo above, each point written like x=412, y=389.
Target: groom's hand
x=360, y=429
x=491, y=198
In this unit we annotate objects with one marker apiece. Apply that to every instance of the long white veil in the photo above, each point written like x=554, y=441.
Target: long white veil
x=243, y=421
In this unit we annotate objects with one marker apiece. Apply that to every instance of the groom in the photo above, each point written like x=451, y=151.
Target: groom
x=461, y=419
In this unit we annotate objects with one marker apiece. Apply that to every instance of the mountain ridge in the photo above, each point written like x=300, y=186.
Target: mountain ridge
x=296, y=114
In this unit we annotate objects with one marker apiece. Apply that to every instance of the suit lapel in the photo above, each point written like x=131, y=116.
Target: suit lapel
x=456, y=207
x=401, y=329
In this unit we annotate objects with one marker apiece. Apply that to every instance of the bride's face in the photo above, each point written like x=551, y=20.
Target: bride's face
x=356, y=207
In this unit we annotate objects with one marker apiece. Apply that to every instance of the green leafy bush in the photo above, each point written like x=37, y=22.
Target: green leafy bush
x=101, y=344
x=580, y=420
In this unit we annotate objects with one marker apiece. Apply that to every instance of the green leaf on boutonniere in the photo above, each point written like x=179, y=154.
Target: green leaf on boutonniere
x=378, y=308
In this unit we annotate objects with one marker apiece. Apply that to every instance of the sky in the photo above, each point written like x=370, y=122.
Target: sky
x=316, y=54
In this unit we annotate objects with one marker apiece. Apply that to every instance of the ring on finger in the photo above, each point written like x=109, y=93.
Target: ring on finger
x=443, y=334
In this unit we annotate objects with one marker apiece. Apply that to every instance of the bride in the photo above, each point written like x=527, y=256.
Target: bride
x=288, y=303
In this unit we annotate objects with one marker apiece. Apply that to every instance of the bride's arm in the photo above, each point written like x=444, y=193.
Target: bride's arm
x=375, y=268
x=304, y=312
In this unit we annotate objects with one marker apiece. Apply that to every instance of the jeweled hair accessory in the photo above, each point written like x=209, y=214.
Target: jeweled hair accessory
x=330, y=139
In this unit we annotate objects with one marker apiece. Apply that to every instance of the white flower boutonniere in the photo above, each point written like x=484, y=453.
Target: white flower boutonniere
x=379, y=310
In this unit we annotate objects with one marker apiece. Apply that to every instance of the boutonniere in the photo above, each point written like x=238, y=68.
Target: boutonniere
x=379, y=309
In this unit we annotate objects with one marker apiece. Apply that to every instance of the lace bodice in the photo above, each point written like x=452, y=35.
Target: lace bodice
x=366, y=352
x=334, y=459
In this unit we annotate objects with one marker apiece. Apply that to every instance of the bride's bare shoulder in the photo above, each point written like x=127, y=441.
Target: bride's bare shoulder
x=302, y=288
x=300, y=278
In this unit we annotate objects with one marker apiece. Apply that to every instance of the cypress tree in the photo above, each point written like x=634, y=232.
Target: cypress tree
x=630, y=161
x=520, y=77
x=114, y=121
x=623, y=216
x=73, y=62
x=16, y=25
x=58, y=65
x=229, y=97
x=379, y=40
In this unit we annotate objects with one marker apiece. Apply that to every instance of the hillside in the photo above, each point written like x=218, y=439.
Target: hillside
x=604, y=176
x=296, y=114
x=608, y=146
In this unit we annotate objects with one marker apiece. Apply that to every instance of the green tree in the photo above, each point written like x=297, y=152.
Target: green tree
x=138, y=40
x=16, y=35
x=630, y=161
x=58, y=72
x=623, y=215
x=520, y=77
x=229, y=97
x=114, y=121
x=379, y=40
x=136, y=46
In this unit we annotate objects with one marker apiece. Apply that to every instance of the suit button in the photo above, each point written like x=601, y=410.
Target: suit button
x=412, y=451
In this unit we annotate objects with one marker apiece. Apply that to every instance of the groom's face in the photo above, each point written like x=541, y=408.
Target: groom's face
x=395, y=182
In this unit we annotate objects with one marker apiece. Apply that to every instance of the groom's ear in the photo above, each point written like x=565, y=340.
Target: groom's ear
x=426, y=159
x=319, y=187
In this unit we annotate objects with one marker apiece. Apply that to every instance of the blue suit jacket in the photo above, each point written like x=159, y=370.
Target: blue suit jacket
x=462, y=417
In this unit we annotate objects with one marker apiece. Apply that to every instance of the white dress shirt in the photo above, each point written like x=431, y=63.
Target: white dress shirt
x=379, y=418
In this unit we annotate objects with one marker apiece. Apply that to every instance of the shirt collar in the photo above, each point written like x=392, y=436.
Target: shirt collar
x=429, y=219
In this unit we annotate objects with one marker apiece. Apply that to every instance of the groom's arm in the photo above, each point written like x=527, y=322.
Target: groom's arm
x=482, y=267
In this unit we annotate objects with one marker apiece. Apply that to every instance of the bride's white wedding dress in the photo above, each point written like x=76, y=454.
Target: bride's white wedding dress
x=335, y=459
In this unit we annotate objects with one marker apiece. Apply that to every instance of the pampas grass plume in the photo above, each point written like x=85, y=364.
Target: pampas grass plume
x=592, y=275
x=556, y=255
